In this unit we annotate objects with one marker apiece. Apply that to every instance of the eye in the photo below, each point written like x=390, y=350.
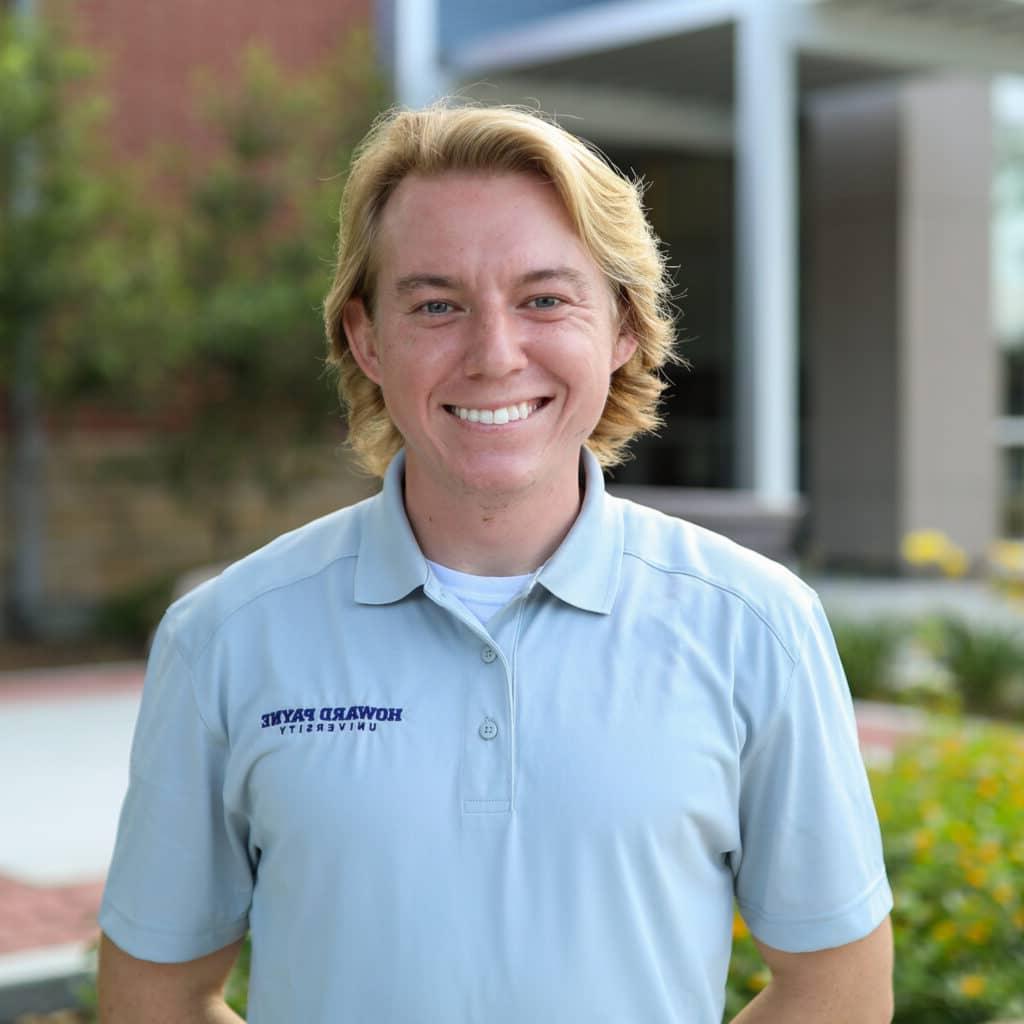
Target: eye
x=436, y=307
x=545, y=302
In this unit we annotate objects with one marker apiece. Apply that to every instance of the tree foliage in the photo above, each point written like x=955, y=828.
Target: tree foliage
x=185, y=292
x=255, y=252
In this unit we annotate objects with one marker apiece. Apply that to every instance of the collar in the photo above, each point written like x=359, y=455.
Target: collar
x=585, y=569
x=390, y=563
x=583, y=572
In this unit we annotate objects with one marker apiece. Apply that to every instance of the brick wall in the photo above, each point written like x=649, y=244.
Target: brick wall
x=154, y=53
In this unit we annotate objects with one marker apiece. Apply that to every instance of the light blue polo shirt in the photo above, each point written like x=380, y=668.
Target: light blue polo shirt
x=428, y=821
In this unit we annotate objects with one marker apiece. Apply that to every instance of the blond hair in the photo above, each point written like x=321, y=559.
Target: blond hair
x=605, y=209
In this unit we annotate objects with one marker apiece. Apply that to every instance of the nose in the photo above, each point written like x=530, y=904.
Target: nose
x=495, y=347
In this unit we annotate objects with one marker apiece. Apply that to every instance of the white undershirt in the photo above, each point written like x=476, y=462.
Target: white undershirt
x=484, y=596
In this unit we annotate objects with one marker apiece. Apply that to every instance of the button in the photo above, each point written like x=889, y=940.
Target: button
x=488, y=729
x=488, y=653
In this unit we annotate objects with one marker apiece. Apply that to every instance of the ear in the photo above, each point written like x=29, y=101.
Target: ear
x=362, y=339
x=622, y=351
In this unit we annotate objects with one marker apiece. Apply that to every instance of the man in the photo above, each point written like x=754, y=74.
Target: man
x=493, y=745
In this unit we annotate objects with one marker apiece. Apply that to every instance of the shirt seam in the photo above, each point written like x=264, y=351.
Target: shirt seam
x=776, y=718
x=725, y=590
x=170, y=932
x=214, y=630
x=214, y=734
x=861, y=898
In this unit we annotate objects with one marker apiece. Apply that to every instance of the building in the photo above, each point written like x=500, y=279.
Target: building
x=821, y=170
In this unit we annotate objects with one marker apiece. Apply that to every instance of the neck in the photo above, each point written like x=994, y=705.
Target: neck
x=503, y=535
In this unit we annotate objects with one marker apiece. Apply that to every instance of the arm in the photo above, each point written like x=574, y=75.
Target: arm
x=850, y=984
x=132, y=990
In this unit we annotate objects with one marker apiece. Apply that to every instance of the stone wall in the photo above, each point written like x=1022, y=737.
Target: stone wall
x=114, y=524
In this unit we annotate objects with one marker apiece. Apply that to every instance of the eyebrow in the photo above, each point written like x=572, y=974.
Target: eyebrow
x=555, y=274
x=414, y=282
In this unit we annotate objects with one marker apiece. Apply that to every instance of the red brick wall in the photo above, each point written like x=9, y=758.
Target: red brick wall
x=155, y=50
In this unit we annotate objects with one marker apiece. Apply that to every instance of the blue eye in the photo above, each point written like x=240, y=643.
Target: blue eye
x=437, y=307
x=545, y=302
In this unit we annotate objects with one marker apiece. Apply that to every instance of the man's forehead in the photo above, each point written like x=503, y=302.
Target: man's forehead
x=437, y=200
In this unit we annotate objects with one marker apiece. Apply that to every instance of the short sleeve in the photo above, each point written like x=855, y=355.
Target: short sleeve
x=810, y=873
x=180, y=882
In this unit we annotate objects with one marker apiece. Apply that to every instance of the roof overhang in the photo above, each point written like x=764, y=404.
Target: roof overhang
x=662, y=71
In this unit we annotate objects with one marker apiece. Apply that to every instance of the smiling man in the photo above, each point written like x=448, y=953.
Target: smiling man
x=494, y=745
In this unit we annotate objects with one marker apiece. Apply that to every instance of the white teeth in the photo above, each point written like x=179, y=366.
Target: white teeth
x=507, y=414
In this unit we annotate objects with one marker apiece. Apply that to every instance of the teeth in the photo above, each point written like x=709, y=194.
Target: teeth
x=507, y=414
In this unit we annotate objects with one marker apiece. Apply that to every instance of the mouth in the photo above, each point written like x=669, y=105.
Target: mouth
x=500, y=415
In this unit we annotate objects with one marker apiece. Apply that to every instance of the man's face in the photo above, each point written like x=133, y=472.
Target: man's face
x=494, y=334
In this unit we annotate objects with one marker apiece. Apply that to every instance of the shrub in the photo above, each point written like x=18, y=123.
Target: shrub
x=952, y=814
x=867, y=650
x=985, y=662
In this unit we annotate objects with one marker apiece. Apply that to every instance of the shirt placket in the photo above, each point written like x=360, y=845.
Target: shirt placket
x=487, y=774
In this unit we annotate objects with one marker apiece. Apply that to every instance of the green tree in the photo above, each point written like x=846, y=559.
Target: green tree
x=255, y=253
x=195, y=305
x=72, y=252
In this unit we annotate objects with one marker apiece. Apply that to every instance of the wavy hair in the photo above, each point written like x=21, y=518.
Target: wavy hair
x=605, y=208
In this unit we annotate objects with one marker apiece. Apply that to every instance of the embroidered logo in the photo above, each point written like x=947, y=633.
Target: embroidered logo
x=355, y=718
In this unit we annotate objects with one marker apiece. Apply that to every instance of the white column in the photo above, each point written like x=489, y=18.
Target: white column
x=419, y=78
x=766, y=418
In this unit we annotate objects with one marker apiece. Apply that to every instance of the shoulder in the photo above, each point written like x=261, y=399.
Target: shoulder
x=294, y=561
x=707, y=566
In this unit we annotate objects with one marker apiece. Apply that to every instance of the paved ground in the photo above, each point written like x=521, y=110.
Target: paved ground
x=63, y=772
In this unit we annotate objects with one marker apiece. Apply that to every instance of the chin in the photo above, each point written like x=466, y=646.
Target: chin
x=497, y=476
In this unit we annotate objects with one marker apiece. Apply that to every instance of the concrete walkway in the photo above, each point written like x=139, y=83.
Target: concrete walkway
x=63, y=772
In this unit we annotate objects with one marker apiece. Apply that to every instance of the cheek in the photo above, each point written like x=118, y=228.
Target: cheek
x=411, y=370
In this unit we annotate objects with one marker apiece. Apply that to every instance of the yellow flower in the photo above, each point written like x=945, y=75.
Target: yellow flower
x=943, y=931
x=1003, y=894
x=758, y=980
x=1007, y=554
x=923, y=840
x=954, y=563
x=925, y=547
x=988, y=787
x=978, y=932
x=973, y=985
x=976, y=877
x=739, y=927
x=988, y=852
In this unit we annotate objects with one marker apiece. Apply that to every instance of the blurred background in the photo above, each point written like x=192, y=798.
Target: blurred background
x=839, y=185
